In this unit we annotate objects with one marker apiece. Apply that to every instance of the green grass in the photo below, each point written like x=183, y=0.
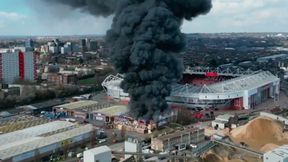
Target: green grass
x=175, y=125
x=88, y=81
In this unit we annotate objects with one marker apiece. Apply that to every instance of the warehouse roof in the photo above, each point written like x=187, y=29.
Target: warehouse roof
x=23, y=134
x=45, y=104
x=78, y=105
x=29, y=144
x=114, y=110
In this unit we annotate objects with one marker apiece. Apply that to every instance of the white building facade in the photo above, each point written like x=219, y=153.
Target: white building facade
x=279, y=154
x=15, y=65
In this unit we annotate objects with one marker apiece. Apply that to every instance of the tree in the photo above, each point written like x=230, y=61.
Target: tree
x=123, y=132
x=185, y=116
x=213, y=63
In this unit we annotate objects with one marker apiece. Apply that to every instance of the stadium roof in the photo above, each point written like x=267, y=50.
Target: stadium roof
x=245, y=81
x=78, y=105
x=237, y=84
x=33, y=138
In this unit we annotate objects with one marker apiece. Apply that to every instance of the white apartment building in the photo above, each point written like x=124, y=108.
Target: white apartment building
x=15, y=64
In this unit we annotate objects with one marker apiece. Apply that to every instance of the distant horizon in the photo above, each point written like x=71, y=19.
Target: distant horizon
x=102, y=35
x=33, y=18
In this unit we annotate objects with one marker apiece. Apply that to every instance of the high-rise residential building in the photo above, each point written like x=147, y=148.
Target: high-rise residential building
x=67, y=48
x=15, y=65
x=29, y=44
x=87, y=40
x=93, y=45
x=83, y=45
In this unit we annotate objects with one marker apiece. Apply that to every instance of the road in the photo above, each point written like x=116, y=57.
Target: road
x=259, y=154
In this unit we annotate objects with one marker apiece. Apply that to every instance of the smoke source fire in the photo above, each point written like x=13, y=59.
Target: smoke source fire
x=144, y=40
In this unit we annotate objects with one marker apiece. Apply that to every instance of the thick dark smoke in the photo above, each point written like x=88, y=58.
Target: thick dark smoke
x=144, y=40
x=95, y=7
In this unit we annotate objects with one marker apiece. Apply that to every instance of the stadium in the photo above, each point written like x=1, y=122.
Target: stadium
x=212, y=88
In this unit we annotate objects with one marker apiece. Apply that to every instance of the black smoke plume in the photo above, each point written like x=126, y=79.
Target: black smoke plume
x=144, y=40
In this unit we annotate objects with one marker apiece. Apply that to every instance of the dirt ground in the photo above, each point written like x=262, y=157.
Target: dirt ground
x=225, y=154
x=261, y=134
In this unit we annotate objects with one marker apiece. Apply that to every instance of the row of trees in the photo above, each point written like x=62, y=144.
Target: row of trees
x=32, y=95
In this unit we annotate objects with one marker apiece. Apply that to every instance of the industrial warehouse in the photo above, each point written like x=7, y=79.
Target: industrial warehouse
x=212, y=88
x=35, y=143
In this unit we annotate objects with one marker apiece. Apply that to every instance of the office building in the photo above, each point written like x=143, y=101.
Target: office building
x=67, y=48
x=83, y=45
x=29, y=44
x=93, y=45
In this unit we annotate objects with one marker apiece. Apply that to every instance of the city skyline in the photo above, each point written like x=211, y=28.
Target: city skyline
x=29, y=17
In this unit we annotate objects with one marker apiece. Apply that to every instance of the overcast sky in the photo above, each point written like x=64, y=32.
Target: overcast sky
x=24, y=17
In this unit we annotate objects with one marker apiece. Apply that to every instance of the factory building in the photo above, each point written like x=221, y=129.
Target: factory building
x=279, y=154
x=35, y=143
x=37, y=108
x=107, y=115
x=178, y=140
x=16, y=64
x=77, y=109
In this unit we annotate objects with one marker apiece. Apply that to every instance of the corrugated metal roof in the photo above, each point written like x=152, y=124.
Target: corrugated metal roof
x=29, y=144
x=78, y=105
x=114, y=110
x=23, y=134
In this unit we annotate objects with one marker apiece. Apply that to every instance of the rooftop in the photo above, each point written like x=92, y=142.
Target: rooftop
x=245, y=81
x=178, y=134
x=98, y=150
x=30, y=139
x=78, y=105
x=45, y=104
x=224, y=117
x=280, y=151
x=273, y=57
x=19, y=135
x=114, y=110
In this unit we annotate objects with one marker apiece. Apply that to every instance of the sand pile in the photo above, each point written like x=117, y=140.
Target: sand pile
x=268, y=147
x=226, y=156
x=262, y=134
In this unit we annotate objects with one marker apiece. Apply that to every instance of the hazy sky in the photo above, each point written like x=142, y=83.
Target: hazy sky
x=24, y=17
